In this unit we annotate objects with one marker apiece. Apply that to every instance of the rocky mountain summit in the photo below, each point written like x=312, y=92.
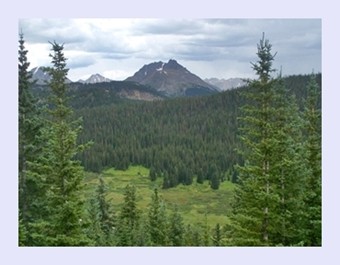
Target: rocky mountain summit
x=172, y=79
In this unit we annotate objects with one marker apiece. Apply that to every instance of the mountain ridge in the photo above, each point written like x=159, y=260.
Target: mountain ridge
x=171, y=79
x=226, y=84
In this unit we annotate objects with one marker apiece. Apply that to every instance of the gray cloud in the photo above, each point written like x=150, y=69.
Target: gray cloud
x=169, y=27
x=80, y=61
x=45, y=30
x=188, y=40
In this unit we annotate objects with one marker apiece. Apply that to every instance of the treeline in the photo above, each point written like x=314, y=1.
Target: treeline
x=98, y=94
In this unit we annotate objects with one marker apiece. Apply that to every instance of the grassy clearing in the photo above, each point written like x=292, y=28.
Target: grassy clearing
x=193, y=202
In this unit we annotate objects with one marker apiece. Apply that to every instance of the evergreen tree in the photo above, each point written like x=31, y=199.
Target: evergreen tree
x=267, y=199
x=200, y=176
x=166, y=181
x=93, y=227
x=106, y=215
x=128, y=221
x=253, y=196
x=176, y=229
x=61, y=224
x=205, y=228
x=101, y=217
x=29, y=136
x=141, y=235
x=31, y=142
x=214, y=177
x=193, y=236
x=157, y=221
x=312, y=116
x=217, y=236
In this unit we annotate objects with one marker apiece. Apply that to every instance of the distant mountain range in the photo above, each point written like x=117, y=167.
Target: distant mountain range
x=167, y=80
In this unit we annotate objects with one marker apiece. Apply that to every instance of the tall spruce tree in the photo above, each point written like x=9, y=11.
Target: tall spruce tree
x=268, y=188
x=254, y=193
x=60, y=224
x=29, y=140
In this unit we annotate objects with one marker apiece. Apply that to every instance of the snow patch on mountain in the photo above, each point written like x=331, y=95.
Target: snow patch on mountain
x=161, y=68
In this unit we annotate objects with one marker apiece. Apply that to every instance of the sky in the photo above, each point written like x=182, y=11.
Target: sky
x=221, y=48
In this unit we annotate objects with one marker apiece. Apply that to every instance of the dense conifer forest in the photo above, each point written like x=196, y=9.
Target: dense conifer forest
x=264, y=137
x=167, y=135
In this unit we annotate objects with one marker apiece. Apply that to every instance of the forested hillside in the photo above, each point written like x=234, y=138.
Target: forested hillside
x=182, y=140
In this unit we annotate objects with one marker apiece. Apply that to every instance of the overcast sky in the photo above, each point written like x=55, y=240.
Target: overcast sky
x=222, y=48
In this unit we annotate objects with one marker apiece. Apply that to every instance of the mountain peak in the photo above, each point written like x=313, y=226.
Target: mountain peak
x=95, y=78
x=171, y=79
x=173, y=64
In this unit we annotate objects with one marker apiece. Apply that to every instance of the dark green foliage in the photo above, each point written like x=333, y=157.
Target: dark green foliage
x=157, y=221
x=101, y=217
x=217, y=235
x=193, y=235
x=312, y=117
x=31, y=142
x=176, y=138
x=22, y=232
x=176, y=229
x=128, y=219
x=106, y=215
x=29, y=137
x=92, y=224
x=152, y=174
x=298, y=85
x=214, y=177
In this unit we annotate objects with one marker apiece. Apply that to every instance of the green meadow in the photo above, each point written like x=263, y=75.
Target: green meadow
x=195, y=202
